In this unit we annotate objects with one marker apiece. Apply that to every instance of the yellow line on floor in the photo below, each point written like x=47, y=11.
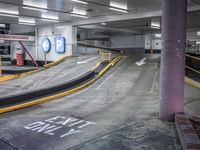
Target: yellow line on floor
x=11, y=77
x=60, y=95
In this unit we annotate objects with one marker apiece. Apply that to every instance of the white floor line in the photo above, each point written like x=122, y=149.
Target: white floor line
x=85, y=61
x=154, y=79
x=109, y=77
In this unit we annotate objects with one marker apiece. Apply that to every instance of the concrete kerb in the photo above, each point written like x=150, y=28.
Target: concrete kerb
x=192, y=82
x=63, y=94
x=11, y=77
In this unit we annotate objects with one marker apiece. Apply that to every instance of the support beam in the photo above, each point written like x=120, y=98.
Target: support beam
x=110, y=29
x=129, y=16
x=173, y=58
x=24, y=48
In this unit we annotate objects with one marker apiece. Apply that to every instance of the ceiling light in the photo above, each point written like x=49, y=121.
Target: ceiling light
x=78, y=1
x=39, y=4
x=158, y=35
x=120, y=10
x=198, y=42
x=50, y=20
x=78, y=15
x=9, y=11
x=155, y=25
x=79, y=12
x=25, y=23
x=32, y=8
x=103, y=23
x=27, y=20
x=8, y=15
x=119, y=5
x=48, y=16
x=2, y=25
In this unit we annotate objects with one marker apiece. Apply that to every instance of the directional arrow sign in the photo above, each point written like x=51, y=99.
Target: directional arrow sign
x=141, y=62
x=46, y=45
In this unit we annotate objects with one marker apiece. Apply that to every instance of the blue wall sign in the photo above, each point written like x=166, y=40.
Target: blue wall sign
x=46, y=45
x=59, y=44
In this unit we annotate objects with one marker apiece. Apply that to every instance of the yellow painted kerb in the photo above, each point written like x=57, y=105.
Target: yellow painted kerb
x=56, y=96
x=192, y=82
x=11, y=77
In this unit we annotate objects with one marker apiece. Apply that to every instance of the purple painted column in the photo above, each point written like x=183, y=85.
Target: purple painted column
x=173, y=57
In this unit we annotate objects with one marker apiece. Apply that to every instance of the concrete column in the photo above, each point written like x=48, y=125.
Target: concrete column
x=74, y=41
x=36, y=43
x=173, y=58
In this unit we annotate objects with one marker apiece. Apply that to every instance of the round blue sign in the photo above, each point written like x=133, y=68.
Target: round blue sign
x=46, y=45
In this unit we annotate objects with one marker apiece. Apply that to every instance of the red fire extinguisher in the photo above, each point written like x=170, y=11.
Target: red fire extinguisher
x=19, y=57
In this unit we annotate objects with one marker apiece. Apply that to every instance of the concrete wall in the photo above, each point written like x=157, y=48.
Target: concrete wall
x=130, y=44
x=88, y=50
x=127, y=41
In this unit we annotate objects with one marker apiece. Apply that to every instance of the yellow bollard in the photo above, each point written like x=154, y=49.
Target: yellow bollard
x=110, y=56
x=1, y=67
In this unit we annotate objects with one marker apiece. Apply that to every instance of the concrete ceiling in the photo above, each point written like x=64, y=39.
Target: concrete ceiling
x=62, y=8
x=135, y=21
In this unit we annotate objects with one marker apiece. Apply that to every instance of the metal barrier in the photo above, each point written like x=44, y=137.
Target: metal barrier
x=105, y=55
x=190, y=68
x=0, y=67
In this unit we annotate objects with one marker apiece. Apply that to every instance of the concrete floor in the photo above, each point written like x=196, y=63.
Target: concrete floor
x=70, y=69
x=119, y=112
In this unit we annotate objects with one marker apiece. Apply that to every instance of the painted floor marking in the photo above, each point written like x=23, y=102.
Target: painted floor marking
x=85, y=61
x=109, y=77
x=59, y=126
x=141, y=62
x=154, y=79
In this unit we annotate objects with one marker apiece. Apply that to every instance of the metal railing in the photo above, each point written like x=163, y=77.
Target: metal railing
x=190, y=68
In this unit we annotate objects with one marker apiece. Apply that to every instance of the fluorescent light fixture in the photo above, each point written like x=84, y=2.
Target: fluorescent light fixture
x=32, y=8
x=78, y=1
x=8, y=15
x=155, y=24
x=50, y=20
x=158, y=35
x=198, y=42
x=103, y=23
x=198, y=33
x=79, y=12
x=78, y=15
x=36, y=3
x=25, y=23
x=118, y=9
x=9, y=11
x=49, y=16
x=27, y=20
x=2, y=25
x=118, y=5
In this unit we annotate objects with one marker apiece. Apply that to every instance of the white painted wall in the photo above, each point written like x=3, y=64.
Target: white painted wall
x=51, y=32
x=152, y=42
x=20, y=29
x=30, y=46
